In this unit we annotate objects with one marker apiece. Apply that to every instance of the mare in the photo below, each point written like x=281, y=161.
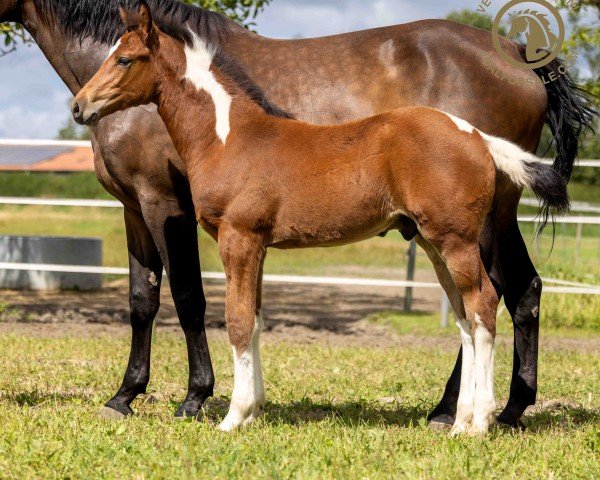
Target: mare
x=260, y=180
x=322, y=80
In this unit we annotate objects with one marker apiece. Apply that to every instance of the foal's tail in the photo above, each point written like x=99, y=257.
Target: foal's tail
x=527, y=171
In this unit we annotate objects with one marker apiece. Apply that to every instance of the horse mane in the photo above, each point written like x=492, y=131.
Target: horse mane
x=100, y=20
x=232, y=69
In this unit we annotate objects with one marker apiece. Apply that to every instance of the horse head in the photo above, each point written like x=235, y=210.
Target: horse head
x=518, y=24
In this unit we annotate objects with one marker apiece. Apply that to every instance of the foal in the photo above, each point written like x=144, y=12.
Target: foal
x=259, y=180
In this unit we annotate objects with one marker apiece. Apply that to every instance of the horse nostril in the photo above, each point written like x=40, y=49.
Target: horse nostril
x=76, y=109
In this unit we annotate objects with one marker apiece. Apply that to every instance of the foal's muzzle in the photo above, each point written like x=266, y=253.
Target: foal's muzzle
x=83, y=114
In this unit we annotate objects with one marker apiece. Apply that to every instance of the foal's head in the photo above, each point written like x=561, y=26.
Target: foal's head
x=127, y=78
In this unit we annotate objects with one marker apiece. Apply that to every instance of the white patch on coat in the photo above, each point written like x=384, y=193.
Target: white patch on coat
x=152, y=278
x=508, y=157
x=114, y=48
x=199, y=58
x=485, y=402
x=248, y=397
x=466, y=396
x=387, y=56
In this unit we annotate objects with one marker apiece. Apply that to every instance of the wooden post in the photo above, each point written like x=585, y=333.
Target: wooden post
x=410, y=275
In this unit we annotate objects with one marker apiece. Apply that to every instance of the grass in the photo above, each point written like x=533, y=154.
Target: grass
x=332, y=412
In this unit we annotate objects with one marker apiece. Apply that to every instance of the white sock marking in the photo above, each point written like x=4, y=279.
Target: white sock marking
x=248, y=397
x=485, y=402
x=464, y=407
x=199, y=59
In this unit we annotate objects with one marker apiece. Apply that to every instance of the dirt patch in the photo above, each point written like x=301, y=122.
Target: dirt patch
x=300, y=314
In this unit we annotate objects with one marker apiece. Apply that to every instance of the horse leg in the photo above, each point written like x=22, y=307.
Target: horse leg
x=444, y=414
x=242, y=256
x=178, y=241
x=522, y=294
x=145, y=272
x=476, y=403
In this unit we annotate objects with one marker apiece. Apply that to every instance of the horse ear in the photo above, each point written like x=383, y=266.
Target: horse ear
x=146, y=24
x=129, y=19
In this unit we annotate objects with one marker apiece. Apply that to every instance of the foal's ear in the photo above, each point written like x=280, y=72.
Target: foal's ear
x=130, y=19
x=146, y=25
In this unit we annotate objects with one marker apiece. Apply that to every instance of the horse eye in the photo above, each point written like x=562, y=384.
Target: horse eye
x=124, y=62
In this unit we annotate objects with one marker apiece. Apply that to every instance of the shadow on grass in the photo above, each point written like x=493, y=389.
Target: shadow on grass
x=35, y=398
x=348, y=413
x=561, y=416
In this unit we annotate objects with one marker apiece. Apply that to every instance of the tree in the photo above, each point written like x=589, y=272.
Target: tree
x=242, y=11
x=474, y=19
x=72, y=131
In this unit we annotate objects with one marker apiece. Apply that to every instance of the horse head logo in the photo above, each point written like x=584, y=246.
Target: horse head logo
x=540, y=39
x=533, y=27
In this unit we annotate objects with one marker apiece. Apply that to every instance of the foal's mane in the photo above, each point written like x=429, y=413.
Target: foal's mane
x=100, y=21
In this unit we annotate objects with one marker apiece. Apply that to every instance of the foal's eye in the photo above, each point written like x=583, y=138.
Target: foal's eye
x=124, y=62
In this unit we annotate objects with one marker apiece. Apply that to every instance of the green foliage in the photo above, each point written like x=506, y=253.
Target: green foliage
x=474, y=19
x=51, y=185
x=73, y=131
x=242, y=11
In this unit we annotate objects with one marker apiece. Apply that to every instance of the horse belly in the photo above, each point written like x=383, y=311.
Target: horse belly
x=332, y=223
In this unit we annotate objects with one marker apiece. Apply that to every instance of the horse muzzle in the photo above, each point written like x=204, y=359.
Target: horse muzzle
x=84, y=113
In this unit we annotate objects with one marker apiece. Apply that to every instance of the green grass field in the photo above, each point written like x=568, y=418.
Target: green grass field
x=332, y=412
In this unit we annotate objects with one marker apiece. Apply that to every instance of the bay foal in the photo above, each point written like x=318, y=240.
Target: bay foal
x=260, y=180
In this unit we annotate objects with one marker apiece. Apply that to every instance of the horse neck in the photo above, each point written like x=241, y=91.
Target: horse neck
x=200, y=121
x=74, y=60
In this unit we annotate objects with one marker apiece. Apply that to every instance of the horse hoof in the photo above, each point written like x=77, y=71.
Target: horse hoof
x=107, y=413
x=441, y=422
x=515, y=426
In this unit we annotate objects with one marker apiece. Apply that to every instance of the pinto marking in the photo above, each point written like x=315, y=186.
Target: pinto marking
x=199, y=58
x=484, y=401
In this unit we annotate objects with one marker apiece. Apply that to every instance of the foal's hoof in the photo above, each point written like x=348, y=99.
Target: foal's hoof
x=108, y=413
x=186, y=413
x=441, y=422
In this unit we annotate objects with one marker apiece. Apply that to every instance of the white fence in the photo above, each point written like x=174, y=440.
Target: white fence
x=556, y=286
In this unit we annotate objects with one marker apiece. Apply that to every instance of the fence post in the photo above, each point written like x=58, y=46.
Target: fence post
x=444, y=310
x=410, y=275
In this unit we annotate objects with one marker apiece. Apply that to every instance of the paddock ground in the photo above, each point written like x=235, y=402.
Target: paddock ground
x=349, y=381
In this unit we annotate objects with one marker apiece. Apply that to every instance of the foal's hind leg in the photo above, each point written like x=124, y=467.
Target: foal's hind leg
x=476, y=403
x=242, y=256
x=444, y=414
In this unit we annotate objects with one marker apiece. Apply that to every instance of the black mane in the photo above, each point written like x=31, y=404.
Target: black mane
x=100, y=20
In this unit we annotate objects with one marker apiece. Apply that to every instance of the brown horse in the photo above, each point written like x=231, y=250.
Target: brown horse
x=260, y=180
x=323, y=80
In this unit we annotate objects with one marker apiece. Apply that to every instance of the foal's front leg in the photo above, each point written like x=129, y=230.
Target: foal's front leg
x=242, y=254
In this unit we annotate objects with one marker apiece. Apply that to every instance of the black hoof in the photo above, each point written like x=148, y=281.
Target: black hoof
x=441, y=422
x=506, y=421
x=114, y=410
x=189, y=410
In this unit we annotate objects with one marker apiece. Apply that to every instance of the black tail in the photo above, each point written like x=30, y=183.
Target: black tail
x=550, y=188
x=570, y=113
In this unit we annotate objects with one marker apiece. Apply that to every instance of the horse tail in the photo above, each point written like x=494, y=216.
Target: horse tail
x=526, y=170
x=570, y=113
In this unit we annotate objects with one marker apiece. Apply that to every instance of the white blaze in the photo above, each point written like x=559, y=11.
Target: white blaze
x=199, y=59
x=113, y=49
